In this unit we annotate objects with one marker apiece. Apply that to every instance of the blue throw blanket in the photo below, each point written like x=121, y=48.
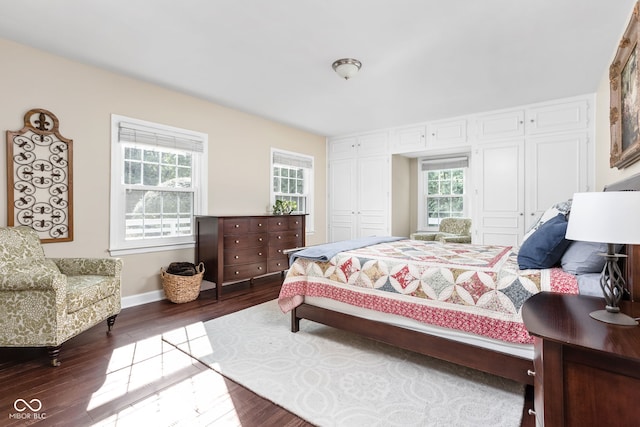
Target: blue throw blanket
x=327, y=251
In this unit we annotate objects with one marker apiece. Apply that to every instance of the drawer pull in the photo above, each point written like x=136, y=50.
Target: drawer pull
x=260, y=225
x=297, y=222
x=260, y=239
x=297, y=235
x=279, y=223
x=531, y=373
x=259, y=253
x=279, y=264
x=237, y=241
x=279, y=237
x=237, y=226
x=236, y=257
x=236, y=273
x=259, y=268
x=531, y=412
x=279, y=251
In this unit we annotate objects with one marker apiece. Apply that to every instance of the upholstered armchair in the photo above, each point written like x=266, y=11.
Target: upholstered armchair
x=451, y=230
x=46, y=301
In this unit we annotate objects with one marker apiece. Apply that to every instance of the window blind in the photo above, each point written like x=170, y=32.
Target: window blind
x=444, y=163
x=128, y=132
x=289, y=159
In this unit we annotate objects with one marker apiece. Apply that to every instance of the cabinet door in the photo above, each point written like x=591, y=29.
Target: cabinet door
x=373, y=144
x=447, y=133
x=342, y=199
x=556, y=168
x=500, y=125
x=501, y=193
x=342, y=148
x=373, y=196
x=409, y=139
x=557, y=117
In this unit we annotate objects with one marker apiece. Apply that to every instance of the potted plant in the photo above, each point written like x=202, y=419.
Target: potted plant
x=284, y=207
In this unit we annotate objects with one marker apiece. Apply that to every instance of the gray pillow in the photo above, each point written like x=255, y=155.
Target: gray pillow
x=584, y=257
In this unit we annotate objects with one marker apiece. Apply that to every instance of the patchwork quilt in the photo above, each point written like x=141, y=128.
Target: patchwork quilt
x=473, y=288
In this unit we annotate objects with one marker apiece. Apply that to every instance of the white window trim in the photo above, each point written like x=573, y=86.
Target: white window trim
x=117, y=244
x=309, y=221
x=422, y=214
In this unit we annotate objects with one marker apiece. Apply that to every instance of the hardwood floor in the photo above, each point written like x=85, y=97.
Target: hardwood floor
x=131, y=377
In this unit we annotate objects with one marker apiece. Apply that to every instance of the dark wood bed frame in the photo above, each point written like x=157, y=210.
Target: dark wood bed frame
x=493, y=362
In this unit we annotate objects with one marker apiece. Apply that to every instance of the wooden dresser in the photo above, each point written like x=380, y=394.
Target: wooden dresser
x=587, y=373
x=235, y=248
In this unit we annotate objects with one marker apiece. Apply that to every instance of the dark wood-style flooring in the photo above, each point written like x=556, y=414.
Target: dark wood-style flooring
x=131, y=377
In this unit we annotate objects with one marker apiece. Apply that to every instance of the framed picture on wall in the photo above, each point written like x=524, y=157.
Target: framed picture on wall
x=624, y=114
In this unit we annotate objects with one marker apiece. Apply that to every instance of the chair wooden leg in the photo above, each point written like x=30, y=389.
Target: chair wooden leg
x=54, y=352
x=110, y=321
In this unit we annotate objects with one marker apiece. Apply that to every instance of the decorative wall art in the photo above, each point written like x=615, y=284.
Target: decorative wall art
x=624, y=78
x=40, y=177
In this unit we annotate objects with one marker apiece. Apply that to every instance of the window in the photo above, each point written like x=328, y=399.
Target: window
x=292, y=179
x=158, y=184
x=442, y=190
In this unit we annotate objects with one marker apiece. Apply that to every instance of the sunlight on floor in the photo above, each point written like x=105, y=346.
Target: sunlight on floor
x=153, y=383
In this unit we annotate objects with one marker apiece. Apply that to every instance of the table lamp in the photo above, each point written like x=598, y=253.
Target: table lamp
x=612, y=218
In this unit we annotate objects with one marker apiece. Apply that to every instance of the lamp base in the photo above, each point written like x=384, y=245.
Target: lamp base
x=613, y=318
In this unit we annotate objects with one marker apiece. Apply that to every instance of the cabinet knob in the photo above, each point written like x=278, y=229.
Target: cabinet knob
x=236, y=257
x=259, y=224
x=259, y=253
x=532, y=121
x=237, y=226
x=279, y=251
x=279, y=264
x=279, y=237
x=237, y=241
x=259, y=268
x=236, y=273
x=531, y=373
x=260, y=239
x=531, y=412
x=279, y=223
x=297, y=235
x=297, y=222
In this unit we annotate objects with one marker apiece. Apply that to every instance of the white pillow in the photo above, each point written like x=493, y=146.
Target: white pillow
x=562, y=207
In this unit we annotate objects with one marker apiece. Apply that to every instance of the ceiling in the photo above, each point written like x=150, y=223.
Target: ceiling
x=422, y=59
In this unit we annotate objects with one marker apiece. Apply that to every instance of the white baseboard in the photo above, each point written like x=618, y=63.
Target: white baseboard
x=153, y=296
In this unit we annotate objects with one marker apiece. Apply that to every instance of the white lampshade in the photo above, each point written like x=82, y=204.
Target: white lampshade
x=346, y=67
x=605, y=217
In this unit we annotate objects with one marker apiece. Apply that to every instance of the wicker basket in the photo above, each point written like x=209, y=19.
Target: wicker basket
x=181, y=289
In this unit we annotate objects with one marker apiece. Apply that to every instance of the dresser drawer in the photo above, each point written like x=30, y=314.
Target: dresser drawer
x=258, y=224
x=277, y=264
x=236, y=226
x=295, y=223
x=285, y=239
x=245, y=256
x=244, y=271
x=251, y=240
x=279, y=223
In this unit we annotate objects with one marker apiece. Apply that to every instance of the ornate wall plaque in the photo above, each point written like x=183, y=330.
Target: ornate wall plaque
x=40, y=177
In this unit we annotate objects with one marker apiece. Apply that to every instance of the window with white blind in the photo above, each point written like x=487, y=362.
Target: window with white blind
x=158, y=184
x=442, y=190
x=292, y=179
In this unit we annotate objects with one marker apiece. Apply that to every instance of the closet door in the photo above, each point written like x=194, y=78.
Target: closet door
x=342, y=199
x=501, y=192
x=373, y=196
x=556, y=168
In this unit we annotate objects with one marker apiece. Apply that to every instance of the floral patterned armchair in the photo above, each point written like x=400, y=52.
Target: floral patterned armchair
x=46, y=301
x=451, y=230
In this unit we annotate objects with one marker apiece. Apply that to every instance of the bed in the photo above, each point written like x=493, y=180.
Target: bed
x=456, y=302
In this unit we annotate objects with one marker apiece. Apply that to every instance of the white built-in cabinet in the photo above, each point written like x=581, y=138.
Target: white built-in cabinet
x=523, y=160
x=527, y=160
x=359, y=186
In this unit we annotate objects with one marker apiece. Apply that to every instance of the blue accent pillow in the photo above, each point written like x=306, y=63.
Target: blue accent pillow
x=544, y=248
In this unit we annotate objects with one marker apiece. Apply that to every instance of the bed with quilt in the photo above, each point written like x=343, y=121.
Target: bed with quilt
x=454, y=301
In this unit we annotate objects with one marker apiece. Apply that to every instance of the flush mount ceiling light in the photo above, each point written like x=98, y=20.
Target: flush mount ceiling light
x=346, y=67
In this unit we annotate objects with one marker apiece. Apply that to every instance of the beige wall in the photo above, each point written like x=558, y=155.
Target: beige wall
x=84, y=97
x=604, y=173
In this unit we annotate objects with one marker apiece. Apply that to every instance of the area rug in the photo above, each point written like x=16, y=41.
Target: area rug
x=334, y=378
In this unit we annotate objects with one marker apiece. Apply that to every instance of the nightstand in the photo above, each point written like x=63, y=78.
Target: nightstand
x=587, y=373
